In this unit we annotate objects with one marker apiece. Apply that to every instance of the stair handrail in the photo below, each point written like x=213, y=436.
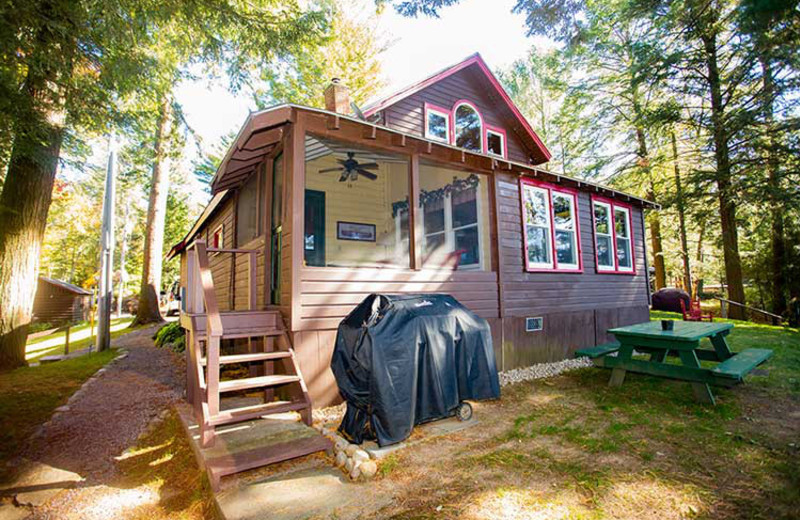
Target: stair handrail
x=214, y=328
x=213, y=320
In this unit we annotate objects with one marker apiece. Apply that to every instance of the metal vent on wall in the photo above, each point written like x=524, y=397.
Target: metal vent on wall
x=534, y=324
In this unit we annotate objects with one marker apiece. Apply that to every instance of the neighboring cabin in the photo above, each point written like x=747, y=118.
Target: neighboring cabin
x=438, y=190
x=58, y=302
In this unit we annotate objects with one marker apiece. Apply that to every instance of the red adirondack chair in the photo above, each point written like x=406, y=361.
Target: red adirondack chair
x=694, y=312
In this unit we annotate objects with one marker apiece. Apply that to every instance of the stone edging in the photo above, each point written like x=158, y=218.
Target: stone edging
x=350, y=458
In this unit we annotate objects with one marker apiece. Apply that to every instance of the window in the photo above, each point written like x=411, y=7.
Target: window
x=455, y=222
x=495, y=142
x=551, y=230
x=353, y=198
x=250, y=207
x=218, y=238
x=613, y=237
x=468, y=127
x=437, y=123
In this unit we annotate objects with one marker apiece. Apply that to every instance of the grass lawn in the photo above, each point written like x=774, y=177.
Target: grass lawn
x=571, y=447
x=79, y=338
x=29, y=395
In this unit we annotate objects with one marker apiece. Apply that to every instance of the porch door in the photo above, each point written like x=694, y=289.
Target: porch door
x=275, y=231
x=314, y=235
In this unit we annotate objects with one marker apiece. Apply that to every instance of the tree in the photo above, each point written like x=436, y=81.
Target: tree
x=253, y=36
x=65, y=66
x=61, y=64
x=351, y=53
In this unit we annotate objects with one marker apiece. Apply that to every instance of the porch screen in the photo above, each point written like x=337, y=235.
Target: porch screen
x=354, y=199
x=455, y=218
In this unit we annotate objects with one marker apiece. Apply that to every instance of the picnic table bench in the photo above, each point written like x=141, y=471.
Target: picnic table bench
x=684, y=342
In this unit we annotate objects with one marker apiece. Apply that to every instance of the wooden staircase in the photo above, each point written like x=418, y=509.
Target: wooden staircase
x=270, y=360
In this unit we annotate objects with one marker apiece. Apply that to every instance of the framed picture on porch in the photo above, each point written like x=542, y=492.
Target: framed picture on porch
x=355, y=231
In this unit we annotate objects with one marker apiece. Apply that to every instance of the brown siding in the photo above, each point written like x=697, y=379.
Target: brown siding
x=56, y=305
x=407, y=115
x=577, y=308
x=528, y=293
x=222, y=263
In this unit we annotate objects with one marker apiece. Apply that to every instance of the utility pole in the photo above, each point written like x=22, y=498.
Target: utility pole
x=106, y=294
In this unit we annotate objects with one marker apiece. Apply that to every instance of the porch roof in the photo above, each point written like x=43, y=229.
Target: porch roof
x=264, y=130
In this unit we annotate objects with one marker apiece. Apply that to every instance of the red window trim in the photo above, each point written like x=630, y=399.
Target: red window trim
x=614, y=204
x=496, y=130
x=445, y=112
x=550, y=189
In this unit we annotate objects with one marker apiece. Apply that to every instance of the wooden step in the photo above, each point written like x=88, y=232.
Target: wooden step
x=263, y=456
x=249, y=358
x=252, y=412
x=256, y=382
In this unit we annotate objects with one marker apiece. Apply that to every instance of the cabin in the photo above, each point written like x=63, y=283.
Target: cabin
x=441, y=187
x=57, y=302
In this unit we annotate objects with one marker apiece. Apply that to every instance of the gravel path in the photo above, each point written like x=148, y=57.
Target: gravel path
x=106, y=418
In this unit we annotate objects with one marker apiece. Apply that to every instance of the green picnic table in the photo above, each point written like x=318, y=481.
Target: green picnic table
x=684, y=342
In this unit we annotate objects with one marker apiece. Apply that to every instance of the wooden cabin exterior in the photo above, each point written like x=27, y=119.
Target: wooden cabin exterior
x=58, y=302
x=456, y=203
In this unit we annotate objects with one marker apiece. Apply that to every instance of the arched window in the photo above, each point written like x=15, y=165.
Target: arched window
x=468, y=127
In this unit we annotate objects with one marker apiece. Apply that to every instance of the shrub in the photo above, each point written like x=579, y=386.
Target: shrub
x=171, y=335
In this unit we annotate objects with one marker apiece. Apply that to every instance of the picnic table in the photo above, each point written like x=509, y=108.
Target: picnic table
x=684, y=342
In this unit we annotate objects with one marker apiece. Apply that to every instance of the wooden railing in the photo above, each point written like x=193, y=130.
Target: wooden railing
x=723, y=303
x=202, y=299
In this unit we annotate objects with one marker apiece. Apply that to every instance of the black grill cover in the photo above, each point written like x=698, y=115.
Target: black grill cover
x=403, y=360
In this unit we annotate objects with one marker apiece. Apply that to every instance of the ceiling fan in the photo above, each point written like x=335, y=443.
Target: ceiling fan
x=351, y=169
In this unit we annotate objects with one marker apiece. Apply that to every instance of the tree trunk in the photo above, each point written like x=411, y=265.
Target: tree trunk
x=27, y=194
x=148, y=311
x=655, y=220
x=681, y=206
x=775, y=195
x=727, y=205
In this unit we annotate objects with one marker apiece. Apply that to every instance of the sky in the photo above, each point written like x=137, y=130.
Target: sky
x=421, y=47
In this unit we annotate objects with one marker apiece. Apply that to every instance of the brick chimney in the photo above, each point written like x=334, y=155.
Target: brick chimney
x=337, y=98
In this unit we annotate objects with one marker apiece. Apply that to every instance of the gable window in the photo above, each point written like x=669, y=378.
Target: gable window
x=613, y=237
x=495, y=142
x=437, y=123
x=468, y=127
x=551, y=231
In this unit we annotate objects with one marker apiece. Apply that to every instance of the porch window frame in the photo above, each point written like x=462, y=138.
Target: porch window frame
x=449, y=231
x=553, y=265
x=614, y=205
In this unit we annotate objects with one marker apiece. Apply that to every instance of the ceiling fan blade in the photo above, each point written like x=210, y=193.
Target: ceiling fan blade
x=341, y=161
x=328, y=170
x=369, y=175
x=369, y=165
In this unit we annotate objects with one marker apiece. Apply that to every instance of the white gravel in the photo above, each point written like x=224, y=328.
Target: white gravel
x=542, y=370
